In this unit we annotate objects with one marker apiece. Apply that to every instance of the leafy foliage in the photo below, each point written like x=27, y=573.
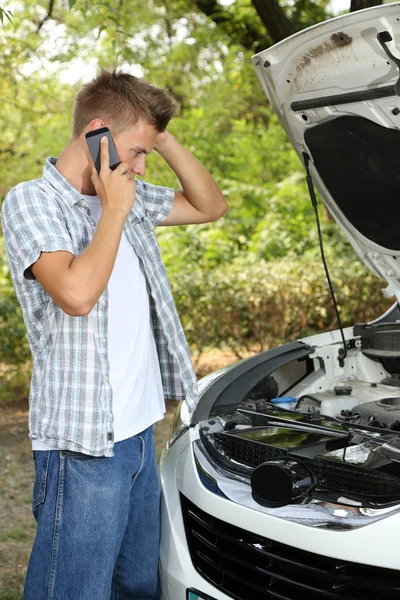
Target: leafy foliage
x=13, y=339
x=238, y=305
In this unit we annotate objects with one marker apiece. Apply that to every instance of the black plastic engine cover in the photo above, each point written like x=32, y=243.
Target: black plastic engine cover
x=379, y=340
x=384, y=412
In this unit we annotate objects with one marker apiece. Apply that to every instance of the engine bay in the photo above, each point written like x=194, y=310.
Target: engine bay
x=376, y=405
x=302, y=433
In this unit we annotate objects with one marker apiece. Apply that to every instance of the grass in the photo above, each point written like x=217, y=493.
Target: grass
x=16, y=534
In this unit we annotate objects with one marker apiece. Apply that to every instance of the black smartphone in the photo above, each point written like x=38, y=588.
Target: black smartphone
x=93, y=141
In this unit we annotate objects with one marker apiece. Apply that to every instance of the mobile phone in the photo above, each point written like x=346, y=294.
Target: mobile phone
x=93, y=141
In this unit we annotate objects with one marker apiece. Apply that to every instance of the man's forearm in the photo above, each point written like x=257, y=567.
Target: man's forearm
x=198, y=186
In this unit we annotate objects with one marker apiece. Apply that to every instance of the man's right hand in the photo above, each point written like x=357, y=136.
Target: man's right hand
x=116, y=189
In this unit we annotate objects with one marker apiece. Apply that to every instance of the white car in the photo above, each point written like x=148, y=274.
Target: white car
x=285, y=482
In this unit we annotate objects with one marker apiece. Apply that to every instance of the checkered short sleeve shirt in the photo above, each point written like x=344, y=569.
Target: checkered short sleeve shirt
x=70, y=395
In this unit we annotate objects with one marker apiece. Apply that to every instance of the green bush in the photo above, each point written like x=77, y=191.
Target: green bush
x=269, y=303
x=14, y=348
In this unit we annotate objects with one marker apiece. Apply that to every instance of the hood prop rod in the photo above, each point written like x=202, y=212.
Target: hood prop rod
x=342, y=354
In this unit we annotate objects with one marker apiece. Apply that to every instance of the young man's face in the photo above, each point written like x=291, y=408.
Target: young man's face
x=134, y=144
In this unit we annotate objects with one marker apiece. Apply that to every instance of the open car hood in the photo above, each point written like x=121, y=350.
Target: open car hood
x=336, y=89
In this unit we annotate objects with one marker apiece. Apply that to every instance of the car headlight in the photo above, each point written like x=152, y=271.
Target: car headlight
x=177, y=425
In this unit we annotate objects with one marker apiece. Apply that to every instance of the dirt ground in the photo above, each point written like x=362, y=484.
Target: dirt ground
x=16, y=480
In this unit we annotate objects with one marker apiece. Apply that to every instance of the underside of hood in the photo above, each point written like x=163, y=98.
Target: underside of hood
x=336, y=89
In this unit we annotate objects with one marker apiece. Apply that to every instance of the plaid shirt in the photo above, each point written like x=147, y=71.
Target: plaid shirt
x=71, y=396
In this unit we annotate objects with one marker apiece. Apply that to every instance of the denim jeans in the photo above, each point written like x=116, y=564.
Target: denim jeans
x=98, y=524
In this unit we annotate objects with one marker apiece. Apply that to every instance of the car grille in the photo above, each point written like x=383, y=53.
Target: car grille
x=247, y=566
x=232, y=451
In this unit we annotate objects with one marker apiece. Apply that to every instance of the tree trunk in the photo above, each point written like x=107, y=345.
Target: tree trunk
x=274, y=19
x=360, y=4
x=270, y=13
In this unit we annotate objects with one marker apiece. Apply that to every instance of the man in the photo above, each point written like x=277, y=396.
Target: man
x=106, y=340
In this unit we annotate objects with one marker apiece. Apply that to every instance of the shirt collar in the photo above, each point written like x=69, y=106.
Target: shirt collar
x=58, y=181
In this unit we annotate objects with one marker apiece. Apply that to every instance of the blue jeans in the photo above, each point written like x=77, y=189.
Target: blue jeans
x=98, y=524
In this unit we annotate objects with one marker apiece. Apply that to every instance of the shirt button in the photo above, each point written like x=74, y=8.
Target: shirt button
x=106, y=378
x=102, y=302
x=110, y=436
x=103, y=340
x=110, y=416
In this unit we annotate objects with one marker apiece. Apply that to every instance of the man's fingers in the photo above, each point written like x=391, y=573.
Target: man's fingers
x=95, y=178
x=104, y=158
x=122, y=168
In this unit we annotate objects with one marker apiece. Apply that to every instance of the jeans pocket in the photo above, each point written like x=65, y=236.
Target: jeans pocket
x=79, y=455
x=41, y=459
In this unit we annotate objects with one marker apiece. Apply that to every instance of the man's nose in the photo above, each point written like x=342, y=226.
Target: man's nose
x=139, y=166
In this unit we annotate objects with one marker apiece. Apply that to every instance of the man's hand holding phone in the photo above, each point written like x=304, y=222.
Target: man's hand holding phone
x=116, y=189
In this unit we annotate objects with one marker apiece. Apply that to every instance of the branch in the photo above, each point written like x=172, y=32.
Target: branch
x=5, y=13
x=360, y=4
x=49, y=13
x=274, y=19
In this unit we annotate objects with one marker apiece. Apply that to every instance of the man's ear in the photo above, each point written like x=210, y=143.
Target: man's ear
x=96, y=124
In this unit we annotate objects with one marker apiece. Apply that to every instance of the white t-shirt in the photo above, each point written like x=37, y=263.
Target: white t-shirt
x=135, y=377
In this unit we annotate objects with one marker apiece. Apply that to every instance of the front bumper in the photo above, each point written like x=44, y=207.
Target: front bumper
x=178, y=574
x=373, y=544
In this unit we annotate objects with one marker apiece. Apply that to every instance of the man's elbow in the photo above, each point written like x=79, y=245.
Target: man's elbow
x=76, y=305
x=221, y=211
x=77, y=311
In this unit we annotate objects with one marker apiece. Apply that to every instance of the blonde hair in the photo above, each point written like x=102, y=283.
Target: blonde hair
x=121, y=100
